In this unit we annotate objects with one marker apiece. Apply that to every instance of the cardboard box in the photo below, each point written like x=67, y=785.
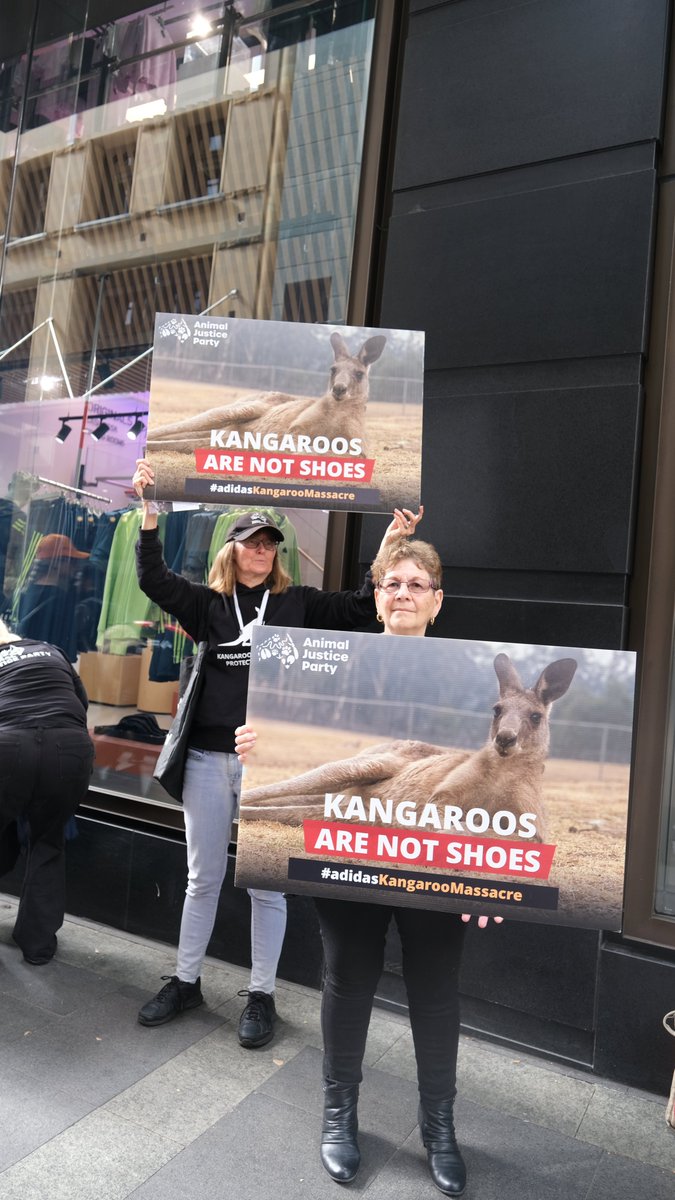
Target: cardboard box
x=110, y=678
x=154, y=697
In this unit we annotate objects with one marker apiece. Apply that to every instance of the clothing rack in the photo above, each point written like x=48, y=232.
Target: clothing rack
x=64, y=487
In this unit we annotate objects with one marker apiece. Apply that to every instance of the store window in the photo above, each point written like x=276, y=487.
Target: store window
x=181, y=158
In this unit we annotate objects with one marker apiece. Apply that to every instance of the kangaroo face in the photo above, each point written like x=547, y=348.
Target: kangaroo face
x=520, y=720
x=348, y=380
x=519, y=724
x=349, y=373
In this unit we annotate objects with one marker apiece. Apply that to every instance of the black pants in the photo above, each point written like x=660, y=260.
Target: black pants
x=353, y=940
x=44, y=776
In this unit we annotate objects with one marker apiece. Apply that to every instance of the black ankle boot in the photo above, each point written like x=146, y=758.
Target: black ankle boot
x=339, y=1151
x=446, y=1165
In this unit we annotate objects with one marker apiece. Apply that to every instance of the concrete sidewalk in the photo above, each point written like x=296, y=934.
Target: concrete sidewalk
x=95, y=1107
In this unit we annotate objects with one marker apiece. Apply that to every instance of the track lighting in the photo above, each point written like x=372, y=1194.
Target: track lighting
x=103, y=427
x=100, y=431
x=137, y=427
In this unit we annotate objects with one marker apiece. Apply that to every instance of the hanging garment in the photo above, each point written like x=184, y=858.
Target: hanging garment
x=12, y=532
x=197, y=545
x=164, y=664
x=100, y=550
x=139, y=37
x=287, y=550
x=47, y=614
x=126, y=613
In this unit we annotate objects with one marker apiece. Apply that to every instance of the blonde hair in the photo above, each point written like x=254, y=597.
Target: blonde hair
x=223, y=573
x=422, y=554
x=6, y=634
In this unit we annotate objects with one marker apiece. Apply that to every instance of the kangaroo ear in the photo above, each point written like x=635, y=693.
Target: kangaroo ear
x=555, y=680
x=372, y=349
x=507, y=675
x=340, y=347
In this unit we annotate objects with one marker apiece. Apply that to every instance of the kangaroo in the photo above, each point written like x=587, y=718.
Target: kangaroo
x=339, y=412
x=504, y=775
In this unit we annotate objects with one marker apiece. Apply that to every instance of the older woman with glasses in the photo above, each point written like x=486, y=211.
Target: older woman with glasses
x=408, y=596
x=247, y=586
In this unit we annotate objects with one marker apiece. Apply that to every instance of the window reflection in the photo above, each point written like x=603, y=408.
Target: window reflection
x=184, y=158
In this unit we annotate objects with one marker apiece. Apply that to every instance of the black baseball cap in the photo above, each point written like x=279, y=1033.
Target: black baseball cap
x=249, y=524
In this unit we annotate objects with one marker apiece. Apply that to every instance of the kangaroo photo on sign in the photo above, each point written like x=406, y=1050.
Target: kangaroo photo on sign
x=309, y=416
x=435, y=773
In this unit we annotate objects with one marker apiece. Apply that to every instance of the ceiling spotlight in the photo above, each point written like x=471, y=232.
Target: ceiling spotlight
x=64, y=432
x=137, y=427
x=46, y=382
x=100, y=431
x=200, y=26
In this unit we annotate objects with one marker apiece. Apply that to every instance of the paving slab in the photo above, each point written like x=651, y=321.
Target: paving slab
x=102, y=1157
x=266, y=1149
x=102, y=1049
x=18, y=1017
x=500, y=1079
x=56, y=986
x=619, y=1178
x=189, y=1093
x=631, y=1124
x=93, y=1105
x=31, y=1115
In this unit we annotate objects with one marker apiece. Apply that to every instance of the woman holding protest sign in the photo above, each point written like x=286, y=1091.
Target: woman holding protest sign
x=247, y=586
x=408, y=597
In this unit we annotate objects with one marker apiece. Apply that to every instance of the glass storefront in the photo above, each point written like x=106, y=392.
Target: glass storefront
x=179, y=158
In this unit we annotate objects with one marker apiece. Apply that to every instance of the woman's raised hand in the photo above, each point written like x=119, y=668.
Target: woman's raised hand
x=143, y=475
x=244, y=741
x=403, y=525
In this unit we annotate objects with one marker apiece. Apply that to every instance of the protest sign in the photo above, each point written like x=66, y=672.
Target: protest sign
x=469, y=776
x=306, y=416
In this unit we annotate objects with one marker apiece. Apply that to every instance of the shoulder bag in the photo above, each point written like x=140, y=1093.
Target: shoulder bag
x=170, y=766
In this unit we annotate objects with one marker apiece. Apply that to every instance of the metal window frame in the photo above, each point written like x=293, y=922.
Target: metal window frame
x=652, y=593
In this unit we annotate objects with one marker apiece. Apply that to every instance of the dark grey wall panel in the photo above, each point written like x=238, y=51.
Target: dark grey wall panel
x=541, y=623
x=532, y=982
x=499, y=85
x=563, y=587
x=519, y=236
x=534, y=481
x=511, y=986
x=548, y=274
x=135, y=881
x=558, y=172
x=635, y=991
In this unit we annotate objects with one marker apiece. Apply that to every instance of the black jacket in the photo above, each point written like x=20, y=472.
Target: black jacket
x=210, y=617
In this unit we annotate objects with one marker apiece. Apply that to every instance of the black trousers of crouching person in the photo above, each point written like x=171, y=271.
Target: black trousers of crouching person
x=353, y=940
x=44, y=776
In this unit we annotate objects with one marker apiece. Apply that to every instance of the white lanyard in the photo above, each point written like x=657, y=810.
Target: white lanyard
x=244, y=638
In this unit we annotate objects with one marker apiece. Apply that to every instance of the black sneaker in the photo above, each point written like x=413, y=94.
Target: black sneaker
x=256, y=1023
x=174, y=998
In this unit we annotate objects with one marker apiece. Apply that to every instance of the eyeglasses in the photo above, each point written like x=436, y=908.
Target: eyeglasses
x=416, y=587
x=255, y=543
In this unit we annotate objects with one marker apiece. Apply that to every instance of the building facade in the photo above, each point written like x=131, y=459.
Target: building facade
x=498, y=175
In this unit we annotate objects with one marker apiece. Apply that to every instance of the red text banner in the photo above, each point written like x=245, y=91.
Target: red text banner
x=284, y=466
x=493, y=856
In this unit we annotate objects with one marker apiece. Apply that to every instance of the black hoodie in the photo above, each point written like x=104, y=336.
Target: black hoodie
x=209, y=616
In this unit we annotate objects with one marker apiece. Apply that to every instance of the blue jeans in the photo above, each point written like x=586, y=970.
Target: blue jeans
x=211, y=790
